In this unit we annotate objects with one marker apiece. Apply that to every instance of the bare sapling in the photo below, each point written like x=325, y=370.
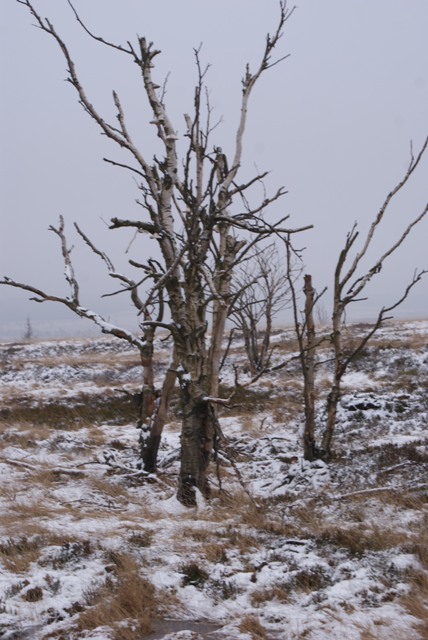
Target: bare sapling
x=350, y=282
x=261, y=292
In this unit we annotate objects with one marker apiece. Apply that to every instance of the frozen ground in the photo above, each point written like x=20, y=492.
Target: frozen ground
x=92, y=548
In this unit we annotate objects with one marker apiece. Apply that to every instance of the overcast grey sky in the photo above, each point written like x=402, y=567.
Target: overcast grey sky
x=332, y=123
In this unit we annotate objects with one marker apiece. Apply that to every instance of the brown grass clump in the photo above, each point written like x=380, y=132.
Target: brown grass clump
x=126, y=602
x=199, y=535
x=256, y=516
x=32, y=510
x=281, y=593
x=310, y=579
x=307, y=518
x=214, y=552
x=193, y=574
x=23, y=435
x=34, y=594
x=245, y=542
x=408, y=500
x=110, y=489
x=416, y=602
x=358, y=539
x=251, y=624
x=141, y=538
x=419, y=544
x=71, y=417
x=16, y=554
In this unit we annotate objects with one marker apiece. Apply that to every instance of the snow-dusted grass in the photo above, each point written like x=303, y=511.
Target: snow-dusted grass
x=92, y=548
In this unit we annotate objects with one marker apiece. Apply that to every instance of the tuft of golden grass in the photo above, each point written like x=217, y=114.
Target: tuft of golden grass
x=23, y=435
x=108, y=488
x=281, y=593
x=141, y=537
x=416, y=602
x=16, y=554
x=18, y=527
x=419, y=543
x=29, y=511
x=360, y=539
x=126, y=602
x=83, y=410
x=199, y=535
x=310, y=579
x=214, y=552
x=251, y=624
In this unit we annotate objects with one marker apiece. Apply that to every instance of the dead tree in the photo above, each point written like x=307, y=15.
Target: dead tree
x=261, y=292
x=308, y=343
x=152, y=402
x=28, y=333
x=349, y=287
x=198, y=213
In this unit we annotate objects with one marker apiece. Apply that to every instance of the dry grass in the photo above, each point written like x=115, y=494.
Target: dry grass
x=16, y=528
x=16, y=554
x=118, y=360
x=416, y=602
x=280, y=593
x=23, y=434
x=213, y=552
x=141, y=537
x=45, y=478
x=360, y=539
x=126, y=603
x=262, y=519
x=411, y=501
x=199, y=535
x=32, y=510
x=310, y=579
x=72, y=414
x=418, y=541
x=251, y=624
x=248, y=402
x=107, y=487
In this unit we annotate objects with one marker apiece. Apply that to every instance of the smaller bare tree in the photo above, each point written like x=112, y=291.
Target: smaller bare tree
x=262, y=291
x=350, y=282
x=153, y=402
x=28, y=333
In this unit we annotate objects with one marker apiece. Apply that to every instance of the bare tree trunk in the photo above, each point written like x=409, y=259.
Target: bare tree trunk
x=149, y=443
x=248, y=336
x=339, y=370
x=148, y=394
x=196, y=446
x=309, y=372
x=332, y=402
x=264, y=351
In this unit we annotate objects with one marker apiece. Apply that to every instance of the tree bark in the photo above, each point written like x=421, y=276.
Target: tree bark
x=149, y=445
x=195, y=450
x=339, y=370
x=309, y=372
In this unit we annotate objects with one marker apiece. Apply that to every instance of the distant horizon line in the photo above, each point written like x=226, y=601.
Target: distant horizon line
x=7, y=334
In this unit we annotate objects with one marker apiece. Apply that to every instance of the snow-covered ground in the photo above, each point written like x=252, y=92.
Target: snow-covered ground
x=90, y=547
